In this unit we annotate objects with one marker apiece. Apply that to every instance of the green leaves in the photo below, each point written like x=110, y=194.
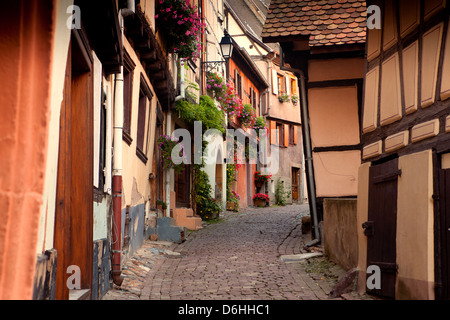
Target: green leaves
x=206, y=112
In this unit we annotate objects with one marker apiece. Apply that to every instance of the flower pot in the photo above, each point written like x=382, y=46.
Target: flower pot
x=259, y=203
x=231, y=206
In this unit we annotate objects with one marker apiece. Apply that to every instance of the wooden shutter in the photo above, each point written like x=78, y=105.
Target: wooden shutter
x=274, y=82
x=273, y=136
x=288, y=85
x=295, y=135
x=286, y=135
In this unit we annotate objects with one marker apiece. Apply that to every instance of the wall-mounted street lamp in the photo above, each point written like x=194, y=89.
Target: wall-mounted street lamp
x=226, y=47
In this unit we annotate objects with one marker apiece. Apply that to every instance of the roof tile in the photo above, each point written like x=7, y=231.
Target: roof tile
x=326, y=22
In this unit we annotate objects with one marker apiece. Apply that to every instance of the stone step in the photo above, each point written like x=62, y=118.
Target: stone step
x=185, y=217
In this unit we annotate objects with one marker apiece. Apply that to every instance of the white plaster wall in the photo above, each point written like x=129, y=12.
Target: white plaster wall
x=100, y=219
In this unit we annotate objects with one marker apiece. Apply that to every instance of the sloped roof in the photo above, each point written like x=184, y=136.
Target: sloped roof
x=325, y=22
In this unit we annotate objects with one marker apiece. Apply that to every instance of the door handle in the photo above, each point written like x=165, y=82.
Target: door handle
x=368, y=227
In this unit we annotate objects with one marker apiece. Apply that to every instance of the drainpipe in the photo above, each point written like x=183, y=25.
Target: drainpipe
x=307, y=146
x=117, y=180
x=269, y=77
x=117, y=163
x=169, y=130
x=182, y=83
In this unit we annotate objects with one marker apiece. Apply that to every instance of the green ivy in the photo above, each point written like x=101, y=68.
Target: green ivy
x=212, y=118
x=206, y=112
x=280, y=194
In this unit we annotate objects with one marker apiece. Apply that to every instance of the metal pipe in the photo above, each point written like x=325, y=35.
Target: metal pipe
x=307, y=146
x=169, y=131
x=269, y=77
x=117, y=162
x=117, y=180
x=182, y=83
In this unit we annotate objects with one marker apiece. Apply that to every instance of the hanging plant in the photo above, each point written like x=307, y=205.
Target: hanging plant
x=260, y=126
x=247, y=116
x=181, y=27
x=166, y=145
x=261, y=178
x=231, y=104
x=216, y=86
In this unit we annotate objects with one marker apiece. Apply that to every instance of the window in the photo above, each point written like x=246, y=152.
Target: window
x=291, y=135
x=280, y=80
x=280, y=133
x=128, y=68
x=238, y=83
x=145, y=97
x=253, y=98
x=294, y=87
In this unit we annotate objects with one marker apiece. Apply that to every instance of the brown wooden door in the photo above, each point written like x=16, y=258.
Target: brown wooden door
x=444, y=203
x=74, y=195
x=295, y=183
x=381, y=226
x=182, y=187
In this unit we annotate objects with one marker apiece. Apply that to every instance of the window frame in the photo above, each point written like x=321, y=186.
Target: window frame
x=128, y=75
x=143, y=123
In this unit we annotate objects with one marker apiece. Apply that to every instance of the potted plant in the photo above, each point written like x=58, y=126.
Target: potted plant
x=294, y=99
x=181, y=26
x=260, y=179
x=261, y=199
x=284, y=97
x=161, y=205
x=233, y=201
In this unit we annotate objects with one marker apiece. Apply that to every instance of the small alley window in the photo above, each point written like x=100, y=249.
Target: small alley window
x=238, y=82
x=280, y=82
x=145, y=97
x=294, y=90
x=280, y=134
x=291, y=134
x=128, y=68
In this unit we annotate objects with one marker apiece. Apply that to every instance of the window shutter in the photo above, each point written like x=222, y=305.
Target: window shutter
x=273, y=135
x=295, y=135
x=288, y=85
x=286, y=135
x=274, y=82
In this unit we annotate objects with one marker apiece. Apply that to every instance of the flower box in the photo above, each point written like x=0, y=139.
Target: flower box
x=259, y=203
x=261, y=200
x=231, y=206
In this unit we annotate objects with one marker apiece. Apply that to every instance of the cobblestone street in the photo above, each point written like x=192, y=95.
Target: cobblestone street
x=237, y=257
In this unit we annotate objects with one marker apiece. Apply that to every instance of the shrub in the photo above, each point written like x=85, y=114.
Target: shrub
x=166, y=145
x=280, y=194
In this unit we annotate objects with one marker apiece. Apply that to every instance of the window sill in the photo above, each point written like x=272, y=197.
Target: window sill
x=126, y=137
x=141, y=155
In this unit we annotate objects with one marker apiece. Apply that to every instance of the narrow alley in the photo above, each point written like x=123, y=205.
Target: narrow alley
x=237, y=258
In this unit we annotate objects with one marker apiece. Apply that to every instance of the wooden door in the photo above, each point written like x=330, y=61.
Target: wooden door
x=444, y=204
x=295, y=183
x=74, y=195
x=381, y=227
x=182, y=187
